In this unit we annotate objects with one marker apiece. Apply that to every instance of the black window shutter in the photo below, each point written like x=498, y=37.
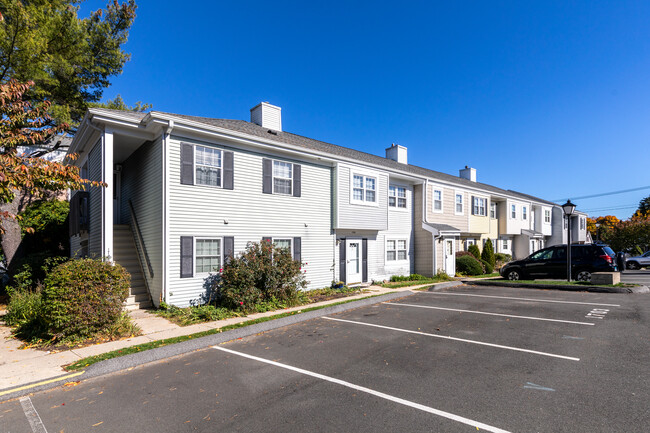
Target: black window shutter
x=228, y=248
x=364, y=254
x=342, y=259
x=228, y=170
x=297, y=249
x=187, y=256
x=187, y=164
x=73, y=218
x=267, y=176
x=296, y=180
x=473, y=199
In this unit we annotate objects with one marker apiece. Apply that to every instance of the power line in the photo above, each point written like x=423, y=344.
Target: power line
x=608, y=208
x=604, y=194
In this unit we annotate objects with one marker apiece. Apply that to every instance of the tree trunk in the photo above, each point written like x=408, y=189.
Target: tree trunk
x=11, y=237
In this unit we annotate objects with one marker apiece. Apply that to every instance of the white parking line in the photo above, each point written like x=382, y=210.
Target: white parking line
x=34, y=419
x=491, y=314
x=518, y=349
x=520, y=299
x=451, y=416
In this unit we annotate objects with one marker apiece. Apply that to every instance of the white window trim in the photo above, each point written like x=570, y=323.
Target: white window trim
x=547, y=212
x=396, y=207
x=493, y=205
x=365, y=175
x=524, y=213
x=220, y=186
x=273, y=177
x=433, y=200
x=204, y=238
x=396, y=261
x=510, y=211
x=476, y=199
x=462, y=203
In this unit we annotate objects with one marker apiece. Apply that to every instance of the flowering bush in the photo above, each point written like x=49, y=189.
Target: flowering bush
x=260, y=274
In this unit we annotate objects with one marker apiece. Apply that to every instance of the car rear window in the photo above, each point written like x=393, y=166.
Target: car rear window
x=609, y=251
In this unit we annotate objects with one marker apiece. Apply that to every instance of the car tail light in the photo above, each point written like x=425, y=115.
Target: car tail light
x=607, y=258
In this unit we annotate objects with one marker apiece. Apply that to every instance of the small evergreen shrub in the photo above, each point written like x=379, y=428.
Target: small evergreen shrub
x=487, y=267
x=262, y=273
x=463, y=253
x=488, y=254
x=83, y=297
x=473, y=250
x=412, y=277
x=468, y=265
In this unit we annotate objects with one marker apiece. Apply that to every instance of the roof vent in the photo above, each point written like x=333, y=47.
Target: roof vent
x=267, y=116
x=468, y=173
x=397, y=153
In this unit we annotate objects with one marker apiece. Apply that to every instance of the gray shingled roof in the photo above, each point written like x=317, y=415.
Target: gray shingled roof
x=332, y=149
x=443, y=227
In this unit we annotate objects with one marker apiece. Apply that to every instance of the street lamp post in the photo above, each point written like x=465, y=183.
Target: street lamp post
x=568, y=209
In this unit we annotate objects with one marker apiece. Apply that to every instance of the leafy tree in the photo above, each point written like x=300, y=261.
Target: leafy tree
x=601, y=228
x=119, y=104
x=70, y=60
x=22, y=177
x=628, y=235
x=643, y=212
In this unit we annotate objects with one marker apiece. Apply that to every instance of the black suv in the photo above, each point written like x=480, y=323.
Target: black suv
x=551, y=263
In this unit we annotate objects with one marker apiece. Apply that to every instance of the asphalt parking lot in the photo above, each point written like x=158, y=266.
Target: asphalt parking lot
x=467, y=359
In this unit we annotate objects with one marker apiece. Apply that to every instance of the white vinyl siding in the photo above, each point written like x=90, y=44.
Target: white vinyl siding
x=248, y=215
x=355, y=215
x=207, y=166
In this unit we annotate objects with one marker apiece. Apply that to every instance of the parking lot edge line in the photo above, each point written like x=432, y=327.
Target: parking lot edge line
x=447, y=337
x=490, y=314
x=522, y=299
x=360, y=388
x=34, y=419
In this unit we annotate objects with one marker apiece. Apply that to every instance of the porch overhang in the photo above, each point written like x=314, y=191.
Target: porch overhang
x=441, y=229
x=532, y=234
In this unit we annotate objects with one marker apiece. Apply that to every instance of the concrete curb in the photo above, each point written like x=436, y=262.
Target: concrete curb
x=593, y=289
x=133, y=360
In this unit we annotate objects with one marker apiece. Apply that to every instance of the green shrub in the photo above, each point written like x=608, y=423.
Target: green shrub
x=262, y=273
x=473, y=250
x=488, y=254
x=501, y=259
x=443, y=276
x=32, y=268
x=83, y=297
x=468, y=265
x=25, y=307
x=487, y=267
x=463, y=253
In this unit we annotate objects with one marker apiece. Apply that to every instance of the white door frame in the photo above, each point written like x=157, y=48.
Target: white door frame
x=352, y=277
x=117, y=188
x=449, y=254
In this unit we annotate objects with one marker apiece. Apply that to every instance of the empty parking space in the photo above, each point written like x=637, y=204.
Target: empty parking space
x=440, y=361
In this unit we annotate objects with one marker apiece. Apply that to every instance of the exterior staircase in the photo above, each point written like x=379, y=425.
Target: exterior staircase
x=125, y=253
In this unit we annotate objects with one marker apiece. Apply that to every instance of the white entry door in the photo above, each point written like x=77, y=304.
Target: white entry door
x=353, y=261
x=450, y=257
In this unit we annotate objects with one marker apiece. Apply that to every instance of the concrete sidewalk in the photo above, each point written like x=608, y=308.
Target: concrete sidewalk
x=20, y=367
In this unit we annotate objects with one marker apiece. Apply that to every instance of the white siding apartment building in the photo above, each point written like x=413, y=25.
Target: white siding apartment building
x=184, y=192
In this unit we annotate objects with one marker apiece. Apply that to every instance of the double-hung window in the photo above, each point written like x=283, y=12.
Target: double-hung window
x=282, y=177
x=582, y=224
x=397, y=197
x=364, y=189
x=479, y=207
x=207, y=255
x=437, y=200
x=513, y=211
x=396, y=250
x=459, y=203
x=207, y=166
x=524, y=213
x=493, y=210
x=283, y=243
x=547, y=216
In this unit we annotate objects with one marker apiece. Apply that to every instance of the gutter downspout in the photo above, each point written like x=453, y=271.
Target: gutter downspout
x=165, y=202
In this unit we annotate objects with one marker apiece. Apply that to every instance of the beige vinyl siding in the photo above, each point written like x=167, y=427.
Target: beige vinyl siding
x=95, y=248
x=361, y=216
x=448, y=214
x=142, y=184
x=248, y=215
x=423, y=239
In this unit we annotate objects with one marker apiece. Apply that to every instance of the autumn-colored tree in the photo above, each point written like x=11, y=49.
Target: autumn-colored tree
x=601, y=227
x=24, y=123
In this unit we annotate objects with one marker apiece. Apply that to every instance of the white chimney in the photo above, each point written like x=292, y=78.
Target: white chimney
x=267, y=116
x=468, y=173
x=397, y=153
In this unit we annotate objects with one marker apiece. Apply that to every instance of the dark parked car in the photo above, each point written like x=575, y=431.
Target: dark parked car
x=551, y=263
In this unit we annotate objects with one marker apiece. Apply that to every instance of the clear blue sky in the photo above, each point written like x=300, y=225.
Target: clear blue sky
x=550, y=98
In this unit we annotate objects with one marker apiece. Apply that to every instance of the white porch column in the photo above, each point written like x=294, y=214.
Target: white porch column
x=107, y=195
